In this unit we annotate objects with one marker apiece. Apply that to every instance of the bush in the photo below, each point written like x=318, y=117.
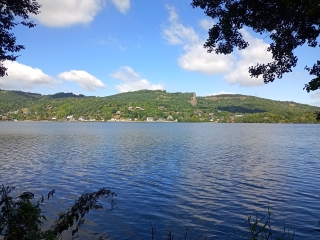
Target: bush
x=22, y=218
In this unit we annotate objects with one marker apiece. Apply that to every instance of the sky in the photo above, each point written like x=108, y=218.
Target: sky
x=106, y=47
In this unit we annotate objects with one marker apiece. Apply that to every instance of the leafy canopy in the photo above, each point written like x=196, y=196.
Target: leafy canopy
x=10, y=10
x=288, y=23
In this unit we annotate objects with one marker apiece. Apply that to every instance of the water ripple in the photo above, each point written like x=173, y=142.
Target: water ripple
x=207, y=177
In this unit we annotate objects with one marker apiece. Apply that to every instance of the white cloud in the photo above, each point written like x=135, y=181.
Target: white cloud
x=122, y=5
x=222, y=92
x=176, y=33
x=173, y=15
x=206, y=24
x=132, y=80
x=255, y=53
x=23, y=77
x=84, y=79
x=317, y=104
x=315, y=94
x=195, y=58
x=63, y=13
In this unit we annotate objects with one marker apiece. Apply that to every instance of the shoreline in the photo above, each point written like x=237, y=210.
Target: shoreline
x=31, y=121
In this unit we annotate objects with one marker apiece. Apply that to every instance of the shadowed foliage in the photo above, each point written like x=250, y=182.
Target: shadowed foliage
x=288, y=23
x=22, y=218
x=10, y=11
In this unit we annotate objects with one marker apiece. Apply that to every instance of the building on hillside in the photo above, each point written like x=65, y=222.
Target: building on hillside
x=70, y=118
x=161, y=120
x=149, y=119
x=14, y=112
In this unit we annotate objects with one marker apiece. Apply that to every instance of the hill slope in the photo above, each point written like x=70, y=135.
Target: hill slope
x=157, y=104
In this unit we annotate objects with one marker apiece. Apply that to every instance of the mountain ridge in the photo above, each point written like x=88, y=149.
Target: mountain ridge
x=155, y=104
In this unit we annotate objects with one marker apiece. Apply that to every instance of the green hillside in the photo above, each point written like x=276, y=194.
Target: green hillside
x=143, y=104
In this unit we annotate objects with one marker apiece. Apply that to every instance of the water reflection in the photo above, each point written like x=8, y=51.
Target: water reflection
x=208, y=177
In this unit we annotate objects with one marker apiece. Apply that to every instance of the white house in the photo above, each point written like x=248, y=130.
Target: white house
x=149, y=119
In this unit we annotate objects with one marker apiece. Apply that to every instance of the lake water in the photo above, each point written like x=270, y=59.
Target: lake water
x=207, y=177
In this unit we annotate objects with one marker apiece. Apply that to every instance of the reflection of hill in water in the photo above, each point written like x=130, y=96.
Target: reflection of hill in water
x=208, y=177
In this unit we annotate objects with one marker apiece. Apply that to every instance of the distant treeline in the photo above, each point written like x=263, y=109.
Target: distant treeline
x=150, y=105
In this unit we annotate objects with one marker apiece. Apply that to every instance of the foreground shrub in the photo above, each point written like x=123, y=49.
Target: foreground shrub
x=260, y=229
x=22, y=217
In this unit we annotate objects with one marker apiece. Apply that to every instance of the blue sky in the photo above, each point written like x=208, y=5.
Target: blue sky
x=104, y=47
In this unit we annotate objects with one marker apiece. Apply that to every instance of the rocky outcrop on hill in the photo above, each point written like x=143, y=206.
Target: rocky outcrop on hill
x=193, y=100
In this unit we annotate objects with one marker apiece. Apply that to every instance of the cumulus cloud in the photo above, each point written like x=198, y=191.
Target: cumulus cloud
x=84, y=79
x=132, y=81
x=63, y=13
x=23, y=77
x=255, y=53
x=195, y=58
x=122, y=5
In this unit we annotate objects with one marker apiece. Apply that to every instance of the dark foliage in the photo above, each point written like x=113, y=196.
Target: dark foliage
x=239, y=109
x=10, y=11
x=22, y=218
x=74, y=217
x=288, y=23
x=65, y=95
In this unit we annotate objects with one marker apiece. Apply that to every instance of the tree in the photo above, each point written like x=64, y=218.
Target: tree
x=288, y=23
x=10, y=10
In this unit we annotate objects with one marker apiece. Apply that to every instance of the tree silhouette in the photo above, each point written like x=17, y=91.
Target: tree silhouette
x=11, y=10
x=288, y=23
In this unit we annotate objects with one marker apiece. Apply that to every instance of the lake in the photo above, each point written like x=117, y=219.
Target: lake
x=207, y=177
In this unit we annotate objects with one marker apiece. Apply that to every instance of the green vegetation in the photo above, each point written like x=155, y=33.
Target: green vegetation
x=288, y=24
x=158, y=105
x=21, y=218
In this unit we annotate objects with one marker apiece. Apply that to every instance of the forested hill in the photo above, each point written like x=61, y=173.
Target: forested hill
x=150, y=105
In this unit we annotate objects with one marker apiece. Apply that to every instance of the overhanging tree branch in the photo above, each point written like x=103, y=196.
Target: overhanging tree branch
x=289, y=24
x=10, y=10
